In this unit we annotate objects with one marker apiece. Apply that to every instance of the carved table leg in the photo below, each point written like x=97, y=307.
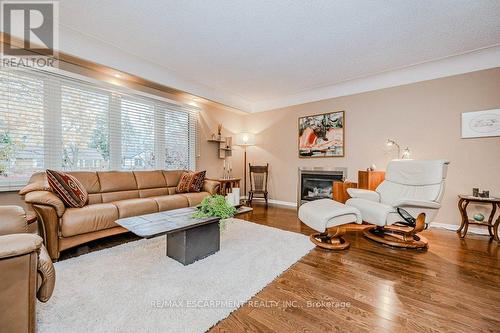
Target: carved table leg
x=490, y=219
x=462, y=206
x=495, y=228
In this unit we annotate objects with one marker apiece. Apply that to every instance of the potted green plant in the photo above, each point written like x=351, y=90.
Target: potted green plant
x=215, y=206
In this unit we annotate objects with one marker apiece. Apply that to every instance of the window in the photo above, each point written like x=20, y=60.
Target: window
x=53, y=121
x=21, y=127
x=85, y=135
x=138, y=135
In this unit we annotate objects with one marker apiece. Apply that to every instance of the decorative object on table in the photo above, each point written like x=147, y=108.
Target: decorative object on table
x=484, y=194
x=479, y=124
x=478, y=217
x=236, y=196
x=464, y=201
x=372, y=167
x=227, y=185
x=322, y=135
x=245, y=140
x=215, y=206
x=475, y=192
x=406, y=154
x=258, y=181
x=227, y=171
x=369, y=180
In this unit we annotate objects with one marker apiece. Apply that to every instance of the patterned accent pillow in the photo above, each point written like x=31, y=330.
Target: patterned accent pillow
x=67, y=188
x=191, y=182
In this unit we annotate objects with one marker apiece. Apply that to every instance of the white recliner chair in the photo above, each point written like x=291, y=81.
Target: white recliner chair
x=404, y=203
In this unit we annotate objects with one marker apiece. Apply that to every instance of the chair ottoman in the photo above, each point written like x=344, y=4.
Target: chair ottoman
x=327, y=217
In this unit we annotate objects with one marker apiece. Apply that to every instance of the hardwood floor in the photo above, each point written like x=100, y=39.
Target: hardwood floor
x=452, y=287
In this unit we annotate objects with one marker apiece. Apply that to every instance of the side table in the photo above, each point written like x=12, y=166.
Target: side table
x=464, y=201
x=226, y=185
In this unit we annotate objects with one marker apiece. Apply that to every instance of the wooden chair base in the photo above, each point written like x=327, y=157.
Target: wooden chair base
x=395, y=237
x=331, y=240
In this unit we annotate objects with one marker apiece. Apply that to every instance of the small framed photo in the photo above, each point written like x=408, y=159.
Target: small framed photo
x=480, y=124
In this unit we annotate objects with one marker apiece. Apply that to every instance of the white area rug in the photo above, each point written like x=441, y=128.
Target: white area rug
x=135, y=287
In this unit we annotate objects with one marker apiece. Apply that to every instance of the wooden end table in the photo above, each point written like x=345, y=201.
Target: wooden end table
x=226, y=185
x=464, y=201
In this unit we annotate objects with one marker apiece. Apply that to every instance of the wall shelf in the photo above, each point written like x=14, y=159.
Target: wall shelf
x=224, y=146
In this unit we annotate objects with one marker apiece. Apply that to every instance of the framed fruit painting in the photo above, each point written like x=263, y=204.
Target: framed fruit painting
x=322, y=135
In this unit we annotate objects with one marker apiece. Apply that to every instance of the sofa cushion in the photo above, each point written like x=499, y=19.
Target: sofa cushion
x=76, y=221
x=113, y=181
x=191, y=182
x=149, y=179
x=172, y=177
x=120, y=195
x=195, y=198
x=153, y=192
x=89, y=180
x=135, y=207
x=169, y=202
x=67, y=188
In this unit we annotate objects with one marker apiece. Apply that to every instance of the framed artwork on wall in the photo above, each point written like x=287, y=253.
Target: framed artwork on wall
x=322, y=135
x=479, y=124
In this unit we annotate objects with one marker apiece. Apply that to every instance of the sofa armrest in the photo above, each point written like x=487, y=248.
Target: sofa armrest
x=211, y=186
x=19, y=244
x=48, y=274
x=46, y=198
x=363, y=194
x=417, y=204
x=12, y=220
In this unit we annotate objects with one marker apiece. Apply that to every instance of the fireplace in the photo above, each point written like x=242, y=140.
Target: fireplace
x=317, y=183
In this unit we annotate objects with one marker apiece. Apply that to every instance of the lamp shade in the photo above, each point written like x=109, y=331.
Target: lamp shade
x=245, y=139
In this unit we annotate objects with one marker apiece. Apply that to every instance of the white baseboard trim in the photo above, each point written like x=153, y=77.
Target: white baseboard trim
x=454, y=227
x=282, y=203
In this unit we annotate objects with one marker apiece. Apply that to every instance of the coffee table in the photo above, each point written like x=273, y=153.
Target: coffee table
x=188, y=239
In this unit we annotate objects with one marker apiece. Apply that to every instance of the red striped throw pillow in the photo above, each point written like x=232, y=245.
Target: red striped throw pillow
x=191, y=182
x=67, y=188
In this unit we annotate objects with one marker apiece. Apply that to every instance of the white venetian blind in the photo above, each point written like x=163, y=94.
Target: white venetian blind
x=138, y=134
x=85, y=127
x=55, y=121
x=22, y=149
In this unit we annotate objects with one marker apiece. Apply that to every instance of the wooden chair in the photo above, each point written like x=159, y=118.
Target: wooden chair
x=258, y=181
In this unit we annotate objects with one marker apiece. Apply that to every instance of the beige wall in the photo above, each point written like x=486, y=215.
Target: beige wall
x=424, y=116
x=232, y=123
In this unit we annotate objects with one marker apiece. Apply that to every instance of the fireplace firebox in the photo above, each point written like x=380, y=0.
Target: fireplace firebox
x=317, y=183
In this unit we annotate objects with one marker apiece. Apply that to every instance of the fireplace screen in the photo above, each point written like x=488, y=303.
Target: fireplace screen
x=317, y=186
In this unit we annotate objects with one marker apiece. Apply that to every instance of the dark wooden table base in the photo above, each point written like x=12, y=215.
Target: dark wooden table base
x=464, y=226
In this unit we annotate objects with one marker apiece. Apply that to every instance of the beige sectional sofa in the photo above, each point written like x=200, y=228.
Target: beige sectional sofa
x=112, y=195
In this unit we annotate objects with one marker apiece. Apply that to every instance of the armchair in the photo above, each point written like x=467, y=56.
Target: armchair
x=404, y=203
x=26, y=272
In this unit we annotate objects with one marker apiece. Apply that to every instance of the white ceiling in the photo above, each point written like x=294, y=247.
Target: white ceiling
x=260, y=51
